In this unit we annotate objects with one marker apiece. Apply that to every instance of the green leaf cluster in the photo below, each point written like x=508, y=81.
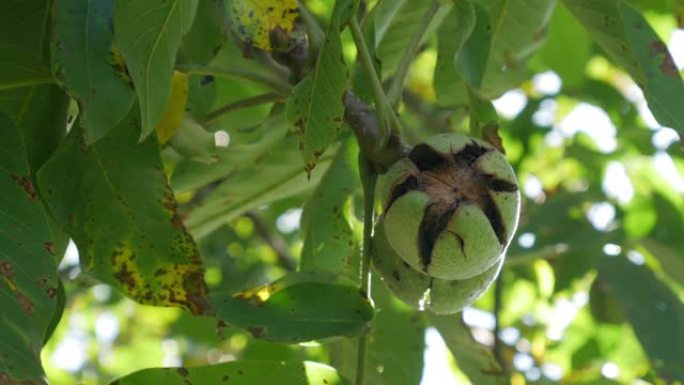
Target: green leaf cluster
x=182, y=189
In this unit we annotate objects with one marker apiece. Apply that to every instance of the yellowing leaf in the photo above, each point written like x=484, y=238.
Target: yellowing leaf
x=265, y=24
x=173, y=115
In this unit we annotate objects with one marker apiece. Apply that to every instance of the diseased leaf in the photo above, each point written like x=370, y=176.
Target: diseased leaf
x=655, y=313
x=330, y=243
x=451, y=35
x=23, y=43
x=474, y=360
x=266, y=24
x=299, y=307
x=28, y=266
x=315, y=106
x=83, y=62
x=238, y=373
x=149, y=35
x=113, y=199
x=506, y=33
x=175, y=110
x=632, y=43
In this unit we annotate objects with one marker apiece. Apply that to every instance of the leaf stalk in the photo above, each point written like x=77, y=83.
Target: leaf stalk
x=368, y=178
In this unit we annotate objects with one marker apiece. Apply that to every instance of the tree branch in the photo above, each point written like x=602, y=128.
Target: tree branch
x=364, y=122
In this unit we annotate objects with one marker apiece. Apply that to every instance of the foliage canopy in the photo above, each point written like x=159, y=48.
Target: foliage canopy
x=216, y=159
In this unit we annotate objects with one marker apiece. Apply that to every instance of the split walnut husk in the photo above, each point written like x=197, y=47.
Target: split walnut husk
x=450, y=209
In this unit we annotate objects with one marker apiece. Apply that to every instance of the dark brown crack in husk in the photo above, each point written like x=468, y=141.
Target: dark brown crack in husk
x=449, y=182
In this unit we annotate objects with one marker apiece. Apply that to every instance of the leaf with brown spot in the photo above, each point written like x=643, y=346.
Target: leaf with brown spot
x=505, y=35
x=314, y=107
x=124, y=221
x=631, y=42
x=330, y=242
x=270, y=25
x=27, y=265
x=83, y=55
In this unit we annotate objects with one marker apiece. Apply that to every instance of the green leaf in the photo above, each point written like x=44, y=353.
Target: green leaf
x=82, y=62
x=655, y=313
x=41, y=113
x=567, y=49
x=396, y=343
x=484, y=121
x=238, y=373
x=670, y=257
x=315, y=105
x=632, y=43
x=329, y=240
x=205, y=163
x=506, y=33
x=451, y=35
x=24, y=26
x=299, y=307
x=149, y=35
x=28, y=266
x=474, y=360
x=207, y=34
x=668, y=231
x=396, y=22
x=113, y=199
x=276, y=175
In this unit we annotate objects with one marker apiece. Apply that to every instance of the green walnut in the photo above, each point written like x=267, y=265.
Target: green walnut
x=424, y=292
x=450, y=208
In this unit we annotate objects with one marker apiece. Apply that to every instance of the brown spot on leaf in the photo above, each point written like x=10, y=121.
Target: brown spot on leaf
x=182, y=371
x=125, y=276
x=26, y=183
x=256, y=332
x=490, y=133
x=52, y=292
x=177, y=222
x=25, y=302
x=667, y=65
x=49, y=246
x=7, y=270
x=492, y=371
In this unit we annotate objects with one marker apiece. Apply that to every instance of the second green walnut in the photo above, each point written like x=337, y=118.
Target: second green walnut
x=450, y=208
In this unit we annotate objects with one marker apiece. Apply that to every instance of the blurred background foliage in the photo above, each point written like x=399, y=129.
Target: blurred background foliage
x=591, y=292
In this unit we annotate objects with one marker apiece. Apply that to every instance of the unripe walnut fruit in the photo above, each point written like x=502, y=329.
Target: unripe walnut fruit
x=450, y=209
